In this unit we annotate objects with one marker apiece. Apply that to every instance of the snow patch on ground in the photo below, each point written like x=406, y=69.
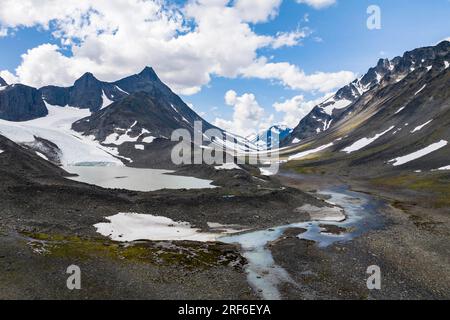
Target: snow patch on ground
x=400, y=110
x=323, y=214
x=421, y=126
x=268, y=171
x=308, y=152
x=420, y=90
x=439, y=169
x=419, y=154
x=122, y=90
x=105, y=99
x=228, y=166
x=296, y=140
x=133, y=226
x=118, y=139
x=365, y=142
x=340, y=104
x=43, y=156
x=139, y=147
x=447, y=64
x=148, y=139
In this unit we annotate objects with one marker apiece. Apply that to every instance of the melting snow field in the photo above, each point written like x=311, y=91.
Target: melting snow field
x=339, y=104
x=419, y=154
x=365, y=142
x=56, y=127
x=134, y=226
x=136, y=179
x=262, y=271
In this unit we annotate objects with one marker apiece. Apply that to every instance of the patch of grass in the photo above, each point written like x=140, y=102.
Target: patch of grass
x=191, y=255
x=424, y=224
x=435, y=186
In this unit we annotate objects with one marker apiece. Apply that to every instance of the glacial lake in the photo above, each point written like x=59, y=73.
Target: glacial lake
x=135, y=179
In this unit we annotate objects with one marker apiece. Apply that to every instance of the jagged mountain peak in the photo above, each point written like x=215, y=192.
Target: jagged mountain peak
x=3, y=82
x=149, y=74
x=87, y=79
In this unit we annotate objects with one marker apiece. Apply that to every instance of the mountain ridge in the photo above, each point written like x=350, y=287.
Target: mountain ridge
x=386, y=71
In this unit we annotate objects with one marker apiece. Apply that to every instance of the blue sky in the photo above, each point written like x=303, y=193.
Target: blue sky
x=336, y=40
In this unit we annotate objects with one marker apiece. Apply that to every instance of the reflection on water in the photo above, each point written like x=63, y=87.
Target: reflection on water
x=119, y=177
x=264, y=275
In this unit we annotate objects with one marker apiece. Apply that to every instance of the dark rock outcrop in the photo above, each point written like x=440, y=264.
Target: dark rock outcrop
x=21, y=103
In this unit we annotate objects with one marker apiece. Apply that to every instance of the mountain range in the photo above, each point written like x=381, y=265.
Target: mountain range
x=399, y=108
x=396, y=117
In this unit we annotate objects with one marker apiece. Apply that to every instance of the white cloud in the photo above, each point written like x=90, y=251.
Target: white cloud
x=8, y=77
x=296, y=108
x=3, y=32
x=288, y=39
x=295, y=78
x=257, y=10
x=318, y=4
x=248, y=116
x=115, y=38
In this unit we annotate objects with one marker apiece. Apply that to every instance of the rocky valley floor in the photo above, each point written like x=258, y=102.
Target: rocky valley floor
x=47, y=224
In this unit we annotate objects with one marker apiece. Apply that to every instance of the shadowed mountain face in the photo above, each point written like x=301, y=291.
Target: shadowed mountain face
x=402, y=123
x=21, y=103
x=93, y=94
x=87, y=93
x=2, y=82
x=140, y=126
x=385, y=73
x=138, y=113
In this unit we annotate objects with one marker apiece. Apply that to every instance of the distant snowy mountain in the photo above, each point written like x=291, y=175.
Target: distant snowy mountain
x=271, y=137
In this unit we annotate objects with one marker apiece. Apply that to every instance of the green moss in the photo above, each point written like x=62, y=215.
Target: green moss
x=435, y=186
x=186, y=254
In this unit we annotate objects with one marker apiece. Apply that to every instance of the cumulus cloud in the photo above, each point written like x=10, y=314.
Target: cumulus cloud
x=186, y=45
x=296, y=108
x=318, y=4
x=257, y=10
x=295, y=78
x=248, y=116
x=8, y=77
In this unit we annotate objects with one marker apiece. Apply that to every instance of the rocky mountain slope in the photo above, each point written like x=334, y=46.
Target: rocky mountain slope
x=20, y=103
x=387, y=72
x=401, y=123
x=130, y=120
